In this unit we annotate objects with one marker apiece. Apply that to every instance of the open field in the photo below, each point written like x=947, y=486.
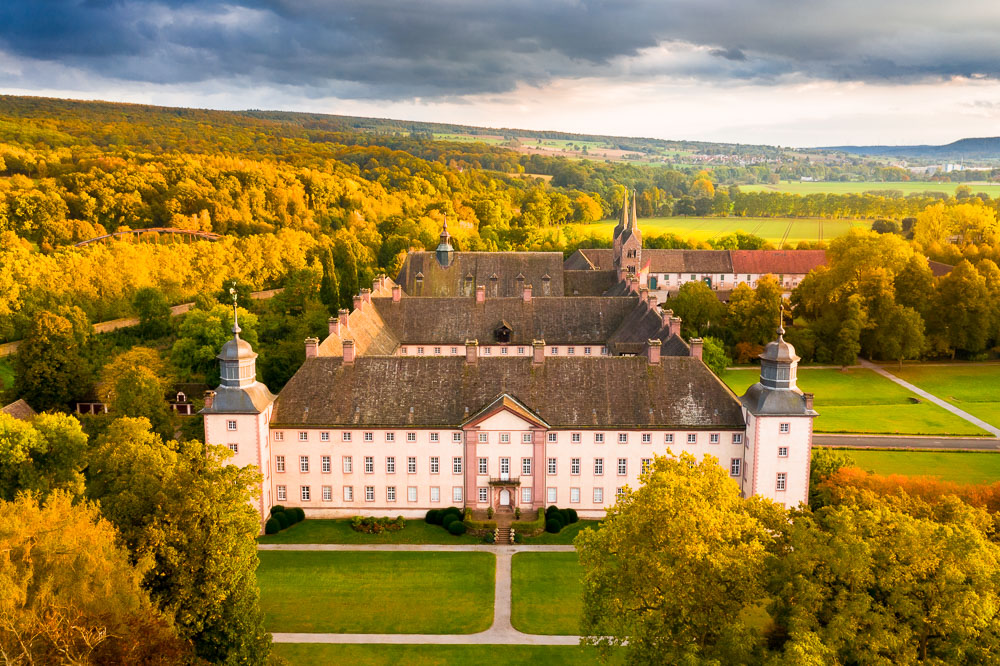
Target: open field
x=565, y=535
x=377, y=592
x=957, y=466
x=339, y=531
x=775, y=230
x=972, y=388
x=860, y=401
x=6, y=373
x=437, y=655
x=546, y=594
x=797, y=187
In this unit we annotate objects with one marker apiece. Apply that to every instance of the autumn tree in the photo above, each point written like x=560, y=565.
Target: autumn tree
x=43, y=455
x=190, y=513
x=676, y=564
x=965, y=314
x=135, y=383
x=48, y=369
x=754, y=314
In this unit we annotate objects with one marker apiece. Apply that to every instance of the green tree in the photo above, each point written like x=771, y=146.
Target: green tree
x=675, y=566
x=849, y=336
x=69, y=593
x=698, y=306
x=713, y=353
x=964, y=313
x=153, y=311
x=44, y=455
x=201, y=335
x=49, y=372
x=191, y=513
x=754, y=314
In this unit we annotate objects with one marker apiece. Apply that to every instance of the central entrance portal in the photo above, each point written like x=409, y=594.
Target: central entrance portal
x=505, y=497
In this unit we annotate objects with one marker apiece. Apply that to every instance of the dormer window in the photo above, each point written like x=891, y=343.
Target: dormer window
x=502, y=333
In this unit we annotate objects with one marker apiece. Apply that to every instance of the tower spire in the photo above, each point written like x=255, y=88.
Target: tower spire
x=236, y=323
x=634, y=222
x=444, y=249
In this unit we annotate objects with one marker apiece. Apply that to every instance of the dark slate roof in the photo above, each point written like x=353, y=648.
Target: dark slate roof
x=679, y=393
x=939, y=269
x=587, y=282
x=762, y=401
x=252, y=399
x=661, y=261
x=453, y=320
x=482, y=266
x=641, y=325
x=20, y=410
x=579, y=261
x=777, y=262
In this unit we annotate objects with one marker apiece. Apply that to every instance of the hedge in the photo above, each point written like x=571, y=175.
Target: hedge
x=530, y=527
x=272, y=526
x=456, y=527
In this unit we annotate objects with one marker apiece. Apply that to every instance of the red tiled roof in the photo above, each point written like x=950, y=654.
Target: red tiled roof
x=777, y=262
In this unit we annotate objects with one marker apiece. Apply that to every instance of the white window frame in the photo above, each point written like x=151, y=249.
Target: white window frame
x=484, y=495
x=390, y=464
x=623, y=467
x=305, y=493
x=526, y=466
x=369, y=436
x=598, y=495
x=782, y=451
x=279, y=464
x=737, y=438
x=692, y=438
x=324, y=436
x=484, y=465
x=324, y=464
x=784, y=428
x=304, y=464
x=713, y=438
x=411, y=493
x=390, y=493
x=435, y=465
x=345, y=436
x=435, y=437
x=552, y=438
x=235, y=448
x=411, y=464
x=282, y=493
x=390, y=437
x=552, y=466
x=574, y=495
x=574, y=466
x=526, y=438
x=303, y=435
x=623, y=438
x=369, y=464
x=456, y=437
x=781, y=482
x=435, y=493
x=411, y=436
x=598, y=438
x=525, y=495
x=327, y=493
x=369, y=493
x=668, y=438
x=456, y=465
x=348, y=463
x=231, y=425
x=598, y=466
x=735, y=466
x=647, y=438
x=456, y=494
x=279, y=436
x=505, y=438
x=348, y=493
x=483, y=438
x=551, y=494
x=575, y=437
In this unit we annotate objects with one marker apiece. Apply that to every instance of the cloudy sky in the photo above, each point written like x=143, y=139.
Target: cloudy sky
x=789, y=72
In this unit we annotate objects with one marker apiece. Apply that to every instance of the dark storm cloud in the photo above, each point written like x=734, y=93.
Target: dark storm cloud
x=444, y=48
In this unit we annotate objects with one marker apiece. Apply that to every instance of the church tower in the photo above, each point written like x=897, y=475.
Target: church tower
x=631, y=243
x=238, y=411
x=445, y=252
x=616, y=238
x=779, y=419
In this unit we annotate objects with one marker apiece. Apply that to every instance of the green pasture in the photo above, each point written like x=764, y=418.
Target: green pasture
x=909, y=187
x=437, y=655
x=861, y=401
x=957, y=466
x=377, y=592
x=972, y=388
x=546, y=593
x=6, y=373
x=566, y=535
x=339, y=531
x=775, y=230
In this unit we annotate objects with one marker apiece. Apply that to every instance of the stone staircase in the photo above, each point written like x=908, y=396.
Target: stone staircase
x=503, y=535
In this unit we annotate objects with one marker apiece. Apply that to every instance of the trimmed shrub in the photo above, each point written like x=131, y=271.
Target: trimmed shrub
x=277, y=508
x=272, y=526
x=552, y=509
x=553, y=525
x=564, y=514
x=573, y=517
x=456, y=527
x=298, y=513
x=453, y=509
x=448, y=519
x=372, y=525
x=488, y=537
x=433, y=517
x=283, y=518
x=518, y=537
x=530, y=527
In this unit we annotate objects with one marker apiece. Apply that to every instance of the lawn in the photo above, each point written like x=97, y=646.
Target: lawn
x=377, y=592
x=437, y=655
x=957, y=466
x=339, y=531
x=546, y=594
x=565, y=535
x=860, y=401
x=775, y=230
x=6, y=373
x=973, y=388
x=910, y=187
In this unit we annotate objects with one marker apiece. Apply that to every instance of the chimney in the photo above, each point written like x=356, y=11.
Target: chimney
x=397, y=293
x=358, y=303
x=348, y=352
x=526, y=294
x=651, y=300
x=471, y=351
x=622, y=275
x=344, y=315
x=667, y=315
x=333, y=326
x=480, y=293
x=538, y=349
x=807, y=396
x=377, y=283
x=312, y=347
x=633, y=284
x=695, y=347
x=643, y=294
x=675, y=326
x=366, y=295
x=653, y=352
x=210, y=398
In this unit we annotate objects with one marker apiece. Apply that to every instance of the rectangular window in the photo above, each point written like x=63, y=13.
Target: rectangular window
x=598, y=466
x=484, y=495
x=304, y=493
x=526, y=466
x=435, y=464
x=411, y=494
x=482, y=438
x=668, y=438
x=369, y=437
x=279, y=463
x=324, y=463
x=571, y=350
x=647, y=438
x=645, y=464
x=550, y=495
x=520, y=350
x=598, y=495
x=402, y=350
x=390, y=437
x=231, y=425
x=303, y=464
x=713, y=438
x=574, y=495
x=552, y=466
x=435, y=494
x=390, y=493
x=503, y=351
x=574, y=466
x=327, y=494
x=692, y=438
x=555, y=351
x=552, y=437
x=780, y=482
x=619, y=493
x=599, y=438
x=456, y=437
x=623, y=438
x=487, y=350
x=281, y=493
x=369, y=464
x=435, y=437
x=454, y=350
x=526, y=437
x=575, y=438
x=622, y=466
x=525, y=495
x=304, y=436
x=505, y=438
x=369, y=493
x=504, y=468
x=737, y=438
x=235, y=448
x=483, y=467
x=324, y=437
x=420, y=350
x=456, y=465
x=345, y=436
x=279, y=436
x=783, y=428
x=390, y=465
x=348, y=464
x=586, y=351
x=348, y=493
x=782, y=451
x=411, y=436
x=437, y=350
x=456, y=494
x=604, y=351
x=411, y=465
x=735, y=466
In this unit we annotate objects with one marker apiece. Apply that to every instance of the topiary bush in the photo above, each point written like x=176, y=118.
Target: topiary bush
x=456, y=527
x=455, y=510
x=433, y=517
x=277, y=508
x=564, y=514
x=450, y=518
x=488, y=537
x=283, y=518
x=573, y=517
x=272, y=526
x=554, y=524
x=298, y=513
x=552, y=509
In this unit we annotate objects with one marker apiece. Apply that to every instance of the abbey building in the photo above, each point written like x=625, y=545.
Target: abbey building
x=474, y=379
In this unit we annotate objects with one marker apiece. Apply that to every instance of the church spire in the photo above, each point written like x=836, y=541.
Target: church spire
x=237, y=360
x=634, y=222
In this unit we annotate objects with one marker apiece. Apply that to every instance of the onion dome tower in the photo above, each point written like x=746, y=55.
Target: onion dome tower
x=445, y=251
